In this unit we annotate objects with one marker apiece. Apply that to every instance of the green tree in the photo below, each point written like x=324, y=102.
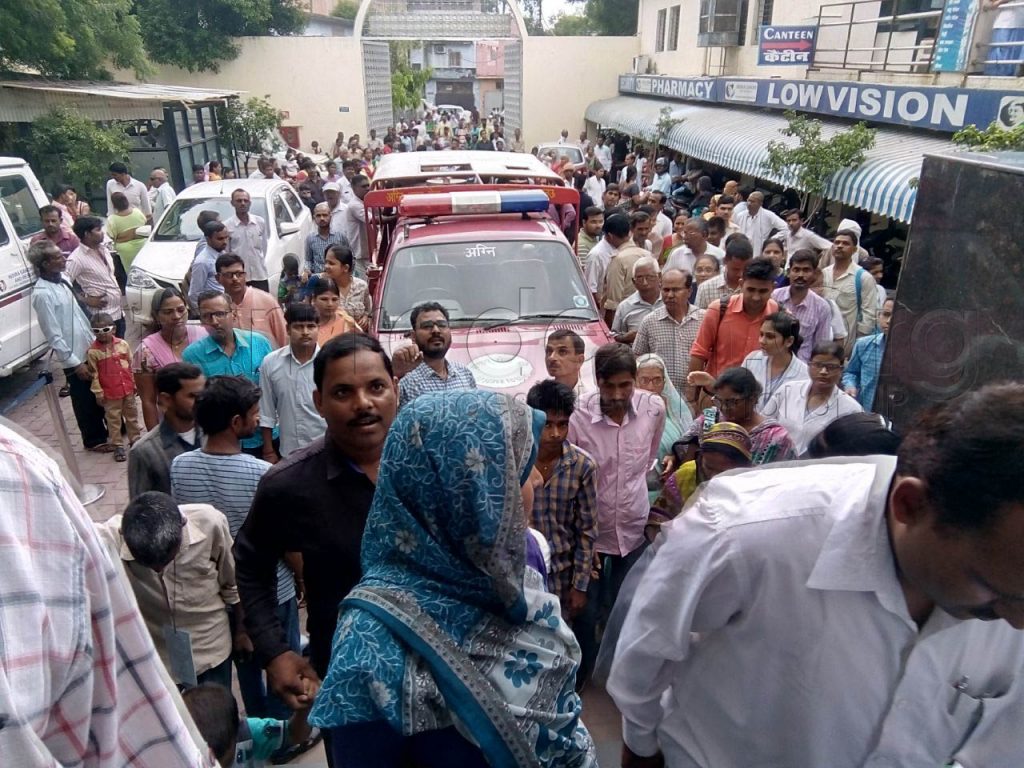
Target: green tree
x=407, y=84
x=198, y=35
x=71, y=38
x=611, y=17
x=249, y=126
x=533, y=16
x=992, y=139
x=346, y=9
x=64, y=145
x=809, y=165
x=572, y=25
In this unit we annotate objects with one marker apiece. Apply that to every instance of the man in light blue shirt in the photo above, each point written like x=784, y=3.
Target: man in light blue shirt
x=69, y=334
x=228, y=351
x=287, y=376
x=204, y=266
x=860, y=380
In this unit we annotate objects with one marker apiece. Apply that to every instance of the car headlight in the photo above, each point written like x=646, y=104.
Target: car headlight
x=139, y=279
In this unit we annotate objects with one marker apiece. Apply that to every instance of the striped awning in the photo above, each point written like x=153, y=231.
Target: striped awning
x=738, y=139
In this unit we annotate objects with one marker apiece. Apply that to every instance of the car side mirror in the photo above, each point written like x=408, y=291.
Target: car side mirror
x=144, y=231
x=288, y=227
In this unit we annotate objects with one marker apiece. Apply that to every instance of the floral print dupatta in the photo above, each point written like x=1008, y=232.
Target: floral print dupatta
x=448, y=626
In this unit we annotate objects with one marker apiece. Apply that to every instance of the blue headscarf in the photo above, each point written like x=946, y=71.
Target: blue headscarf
x=448, y=626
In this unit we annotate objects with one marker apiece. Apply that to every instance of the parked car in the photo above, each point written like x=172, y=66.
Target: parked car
x=454, y=110
x=21, y=197
x=573, y=151
x=171, y=247
x=503, y=270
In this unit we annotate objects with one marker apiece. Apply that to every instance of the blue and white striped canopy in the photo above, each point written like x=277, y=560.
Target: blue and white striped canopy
x=738, y=139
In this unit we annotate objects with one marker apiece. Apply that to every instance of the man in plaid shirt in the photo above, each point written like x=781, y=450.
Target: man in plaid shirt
x=565, y=508
x=80, y=683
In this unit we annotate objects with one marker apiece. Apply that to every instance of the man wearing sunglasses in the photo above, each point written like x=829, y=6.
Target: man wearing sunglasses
x=433, y=337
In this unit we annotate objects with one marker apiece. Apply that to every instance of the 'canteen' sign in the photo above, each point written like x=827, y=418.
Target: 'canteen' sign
x=786, y=46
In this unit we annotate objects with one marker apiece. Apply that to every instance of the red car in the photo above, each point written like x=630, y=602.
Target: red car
x=495, y=259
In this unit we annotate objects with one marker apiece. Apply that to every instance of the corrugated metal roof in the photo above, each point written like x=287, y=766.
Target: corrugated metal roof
x=738, y=139
x=131, y=91
x=23, y=101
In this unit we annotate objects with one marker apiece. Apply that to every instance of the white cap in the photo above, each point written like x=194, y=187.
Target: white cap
x=332, y=186
x=851, y=225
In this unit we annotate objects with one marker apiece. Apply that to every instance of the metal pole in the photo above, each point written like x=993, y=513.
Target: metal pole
x=849, y=34
x=90, y=491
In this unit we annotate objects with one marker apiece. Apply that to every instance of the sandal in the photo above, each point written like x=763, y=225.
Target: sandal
x=120, y=454
x=64, y=391
x=287, y=754
x=101, y=448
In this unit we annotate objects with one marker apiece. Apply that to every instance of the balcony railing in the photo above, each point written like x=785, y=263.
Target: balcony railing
x=1015, y=51
x=861, y=35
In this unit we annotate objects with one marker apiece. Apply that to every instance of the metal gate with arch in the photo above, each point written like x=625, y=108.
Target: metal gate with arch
x=381, y=21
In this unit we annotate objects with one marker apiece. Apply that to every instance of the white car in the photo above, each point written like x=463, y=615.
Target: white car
x=572, y=151
x=454, y=110
x=172, y=244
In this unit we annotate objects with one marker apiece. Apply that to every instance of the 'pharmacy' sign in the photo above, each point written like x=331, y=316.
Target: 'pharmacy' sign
x=940, y=109
x=786, y=46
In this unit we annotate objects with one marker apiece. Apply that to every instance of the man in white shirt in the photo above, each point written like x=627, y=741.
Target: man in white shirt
x=757, y=222
x=799, y=237
x=661, y=181
x=248, y=238
x=662, y=224
x=564, y=138
x=121, y=181
x=695, y=245
x=161, y=194
x=332, y=196
x=852, y=289
x=616, y=231
x=603, y=153
x=355, y=226
x=286, y=384
x=827, y=614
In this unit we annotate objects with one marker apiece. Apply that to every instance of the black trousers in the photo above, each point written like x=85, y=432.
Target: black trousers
x=92, y=422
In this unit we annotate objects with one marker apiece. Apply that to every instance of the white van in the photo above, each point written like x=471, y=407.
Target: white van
x=21, y=197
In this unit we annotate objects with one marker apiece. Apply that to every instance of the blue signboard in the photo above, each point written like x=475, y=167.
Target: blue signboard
x=786, y=46
x=953, y=42
x=940, y=109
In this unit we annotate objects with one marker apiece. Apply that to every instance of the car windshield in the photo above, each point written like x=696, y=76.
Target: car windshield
x=575, y=154
x=180, y=221
x=485, y=283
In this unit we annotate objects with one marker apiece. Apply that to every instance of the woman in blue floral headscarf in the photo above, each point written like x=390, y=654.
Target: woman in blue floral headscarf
x=449, y=641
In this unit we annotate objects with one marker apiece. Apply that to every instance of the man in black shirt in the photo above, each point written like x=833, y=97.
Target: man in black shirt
x=315, y=502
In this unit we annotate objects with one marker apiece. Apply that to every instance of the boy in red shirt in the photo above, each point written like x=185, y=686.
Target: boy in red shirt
x=109, y=358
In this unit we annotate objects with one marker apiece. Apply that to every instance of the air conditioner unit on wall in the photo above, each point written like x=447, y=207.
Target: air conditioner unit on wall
x=640, y=64
x=440, y=50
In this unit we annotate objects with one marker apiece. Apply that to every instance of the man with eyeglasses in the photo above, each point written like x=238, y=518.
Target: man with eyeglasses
x=433, y=337
x=634, y=308
x=255, y=310
x=228, y=351
x=670, y=330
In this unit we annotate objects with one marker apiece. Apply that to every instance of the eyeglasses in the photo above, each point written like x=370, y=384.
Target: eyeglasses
x=653, y=381
x=237, y=274
x=104, y=329
x=220, y=314
x=732, y=402
x=826, y=367
x=429, y=325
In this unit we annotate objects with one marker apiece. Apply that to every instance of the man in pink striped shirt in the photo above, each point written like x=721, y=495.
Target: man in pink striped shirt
x=620, y=427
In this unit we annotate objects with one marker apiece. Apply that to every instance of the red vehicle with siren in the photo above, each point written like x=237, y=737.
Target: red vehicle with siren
x=495, y=257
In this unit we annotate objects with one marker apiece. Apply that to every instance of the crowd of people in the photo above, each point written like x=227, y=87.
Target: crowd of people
x=715, y=526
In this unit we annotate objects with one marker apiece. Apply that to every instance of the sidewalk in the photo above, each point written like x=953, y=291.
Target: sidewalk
x=98, y=468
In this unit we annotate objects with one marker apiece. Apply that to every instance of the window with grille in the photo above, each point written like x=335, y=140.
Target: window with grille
x=659, y=35
x=454, y=58
x=722, y=23
x=673, y=28
x=765, y=11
